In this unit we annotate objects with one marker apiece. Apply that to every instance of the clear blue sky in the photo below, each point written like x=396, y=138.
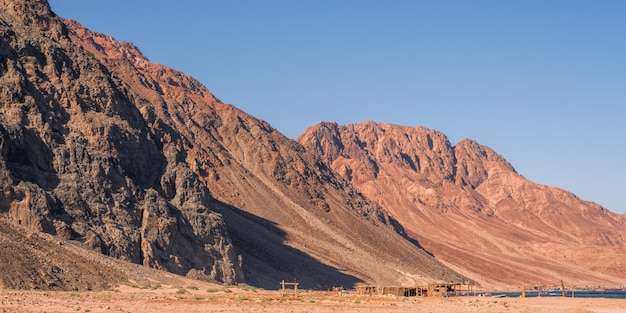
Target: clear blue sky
x=541, y=82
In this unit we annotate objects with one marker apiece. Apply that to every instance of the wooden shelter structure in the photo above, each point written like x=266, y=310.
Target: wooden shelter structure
x=431, y=290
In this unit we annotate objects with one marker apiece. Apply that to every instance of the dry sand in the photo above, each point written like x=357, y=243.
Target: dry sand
x=202, y=297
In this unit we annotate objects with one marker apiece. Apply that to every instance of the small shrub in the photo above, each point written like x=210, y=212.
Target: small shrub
x=357, y=301
x=212, y=290
x=75, y=294
x=181, y=291
x=249, y=288
x=153, y=287
x=192, y=287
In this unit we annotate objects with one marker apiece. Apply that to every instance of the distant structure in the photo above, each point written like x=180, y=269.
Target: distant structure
x=431, y=290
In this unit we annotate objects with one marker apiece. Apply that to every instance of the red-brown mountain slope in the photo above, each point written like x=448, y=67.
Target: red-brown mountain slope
x=468, y=206
x=143, y=163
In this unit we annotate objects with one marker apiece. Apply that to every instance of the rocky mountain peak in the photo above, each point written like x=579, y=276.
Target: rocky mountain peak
x=418, y=149
x=27, y=10
x=475, y=162
x=36, y=14
x=467, y=205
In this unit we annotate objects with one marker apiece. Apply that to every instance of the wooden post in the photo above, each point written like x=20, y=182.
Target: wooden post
x=539, y=290
x=523, y=291
x=294, y=284
x=562, y=289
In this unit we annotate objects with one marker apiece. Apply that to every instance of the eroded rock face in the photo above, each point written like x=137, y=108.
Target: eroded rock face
x=468, y=206
x=143, y=163
x=79, y=160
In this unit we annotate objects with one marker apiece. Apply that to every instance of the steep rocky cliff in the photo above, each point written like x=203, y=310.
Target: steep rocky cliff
x=78, y=159
x=468, y=206
x=143, y=163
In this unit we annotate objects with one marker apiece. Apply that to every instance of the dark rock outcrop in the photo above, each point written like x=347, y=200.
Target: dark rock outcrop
x=79, y=160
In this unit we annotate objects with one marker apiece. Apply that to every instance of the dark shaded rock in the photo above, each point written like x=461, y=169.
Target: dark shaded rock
x=79, y=160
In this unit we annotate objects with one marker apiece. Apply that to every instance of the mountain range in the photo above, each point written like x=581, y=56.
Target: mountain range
x=142, y=163
x=107, y=151
x=469, y=207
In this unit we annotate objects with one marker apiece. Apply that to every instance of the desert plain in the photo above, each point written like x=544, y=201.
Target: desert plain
x=195, y=296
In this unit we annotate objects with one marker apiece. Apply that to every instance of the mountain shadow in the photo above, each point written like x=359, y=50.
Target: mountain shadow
x=266, y=257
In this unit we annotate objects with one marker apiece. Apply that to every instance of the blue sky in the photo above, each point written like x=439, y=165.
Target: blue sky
x=541, y=82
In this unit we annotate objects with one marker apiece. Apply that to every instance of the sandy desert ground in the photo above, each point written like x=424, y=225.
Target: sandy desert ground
x=203, y=297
